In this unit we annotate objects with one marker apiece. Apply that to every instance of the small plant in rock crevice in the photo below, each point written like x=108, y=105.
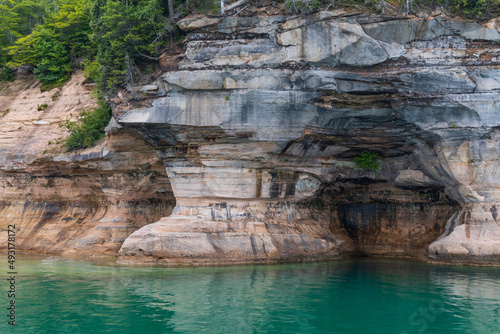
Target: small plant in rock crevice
x=368, y=161
x=42, y=107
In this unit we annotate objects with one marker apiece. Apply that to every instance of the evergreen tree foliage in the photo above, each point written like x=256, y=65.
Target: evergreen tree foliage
x=127, y=32
x=113, y=39
x=61, y=36
x=51, y=57
x=71, y=23
x=6, y=74
x=8, y=23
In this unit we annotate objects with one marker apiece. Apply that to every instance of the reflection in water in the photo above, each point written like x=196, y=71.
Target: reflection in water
x=358, y=296
x=472, y=297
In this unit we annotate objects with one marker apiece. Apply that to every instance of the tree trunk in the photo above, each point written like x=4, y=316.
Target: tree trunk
x=129, y=77
x=171, y=8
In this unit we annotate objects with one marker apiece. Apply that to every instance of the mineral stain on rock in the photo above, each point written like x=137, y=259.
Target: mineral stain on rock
x=254, y=164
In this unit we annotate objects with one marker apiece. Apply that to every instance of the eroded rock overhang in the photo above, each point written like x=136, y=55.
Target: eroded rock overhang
x=259, y=121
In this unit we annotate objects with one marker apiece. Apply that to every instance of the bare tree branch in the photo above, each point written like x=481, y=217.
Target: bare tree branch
x=234, y=5
x=146, y=56
x=242, y=9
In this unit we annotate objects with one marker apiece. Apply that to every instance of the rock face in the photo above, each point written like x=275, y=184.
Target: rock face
x=86, y=203
x=258, y=124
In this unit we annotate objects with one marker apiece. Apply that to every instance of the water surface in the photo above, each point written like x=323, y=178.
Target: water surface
x=56, y=295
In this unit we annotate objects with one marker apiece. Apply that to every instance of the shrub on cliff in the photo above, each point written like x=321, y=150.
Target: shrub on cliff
x=6, y=74
x=368, y=161
x=472, y=9
x=91, y=70
x=90, y=127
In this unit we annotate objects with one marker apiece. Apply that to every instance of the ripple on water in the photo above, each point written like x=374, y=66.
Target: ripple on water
x=356, y=296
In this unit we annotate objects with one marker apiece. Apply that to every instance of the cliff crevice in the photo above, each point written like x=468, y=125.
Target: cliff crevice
x=252, y=135
x=264, y=117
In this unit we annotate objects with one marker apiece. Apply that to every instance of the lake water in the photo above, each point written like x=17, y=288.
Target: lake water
x=56, y=295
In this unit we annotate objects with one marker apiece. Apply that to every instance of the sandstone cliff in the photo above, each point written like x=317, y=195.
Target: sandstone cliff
x=86, y=203
x=252, y=132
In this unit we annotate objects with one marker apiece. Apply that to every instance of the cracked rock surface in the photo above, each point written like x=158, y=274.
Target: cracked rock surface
x=254, y=128
x=261, y=120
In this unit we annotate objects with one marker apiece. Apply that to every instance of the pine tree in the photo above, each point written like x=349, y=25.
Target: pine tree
x=53, y=65
x=51, y=46
x=126, y=32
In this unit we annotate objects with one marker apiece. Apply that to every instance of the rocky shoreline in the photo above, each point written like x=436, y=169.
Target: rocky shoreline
x=243, y=150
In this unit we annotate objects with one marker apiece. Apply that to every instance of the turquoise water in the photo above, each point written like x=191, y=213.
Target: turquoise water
x=355, y=296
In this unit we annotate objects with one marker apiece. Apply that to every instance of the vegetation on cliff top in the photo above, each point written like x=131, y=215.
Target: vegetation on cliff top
x=116, y=42
x=472, y=9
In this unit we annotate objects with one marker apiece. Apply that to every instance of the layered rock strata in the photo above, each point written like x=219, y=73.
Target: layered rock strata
x=86, y=203
x=243, y=150
x=258, y=123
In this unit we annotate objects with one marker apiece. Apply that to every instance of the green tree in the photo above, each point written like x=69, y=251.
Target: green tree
x=6, y=74
x=52, y=46
x=9, y=21
x=52, y=59
x=127, y=33
x=71, y=23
